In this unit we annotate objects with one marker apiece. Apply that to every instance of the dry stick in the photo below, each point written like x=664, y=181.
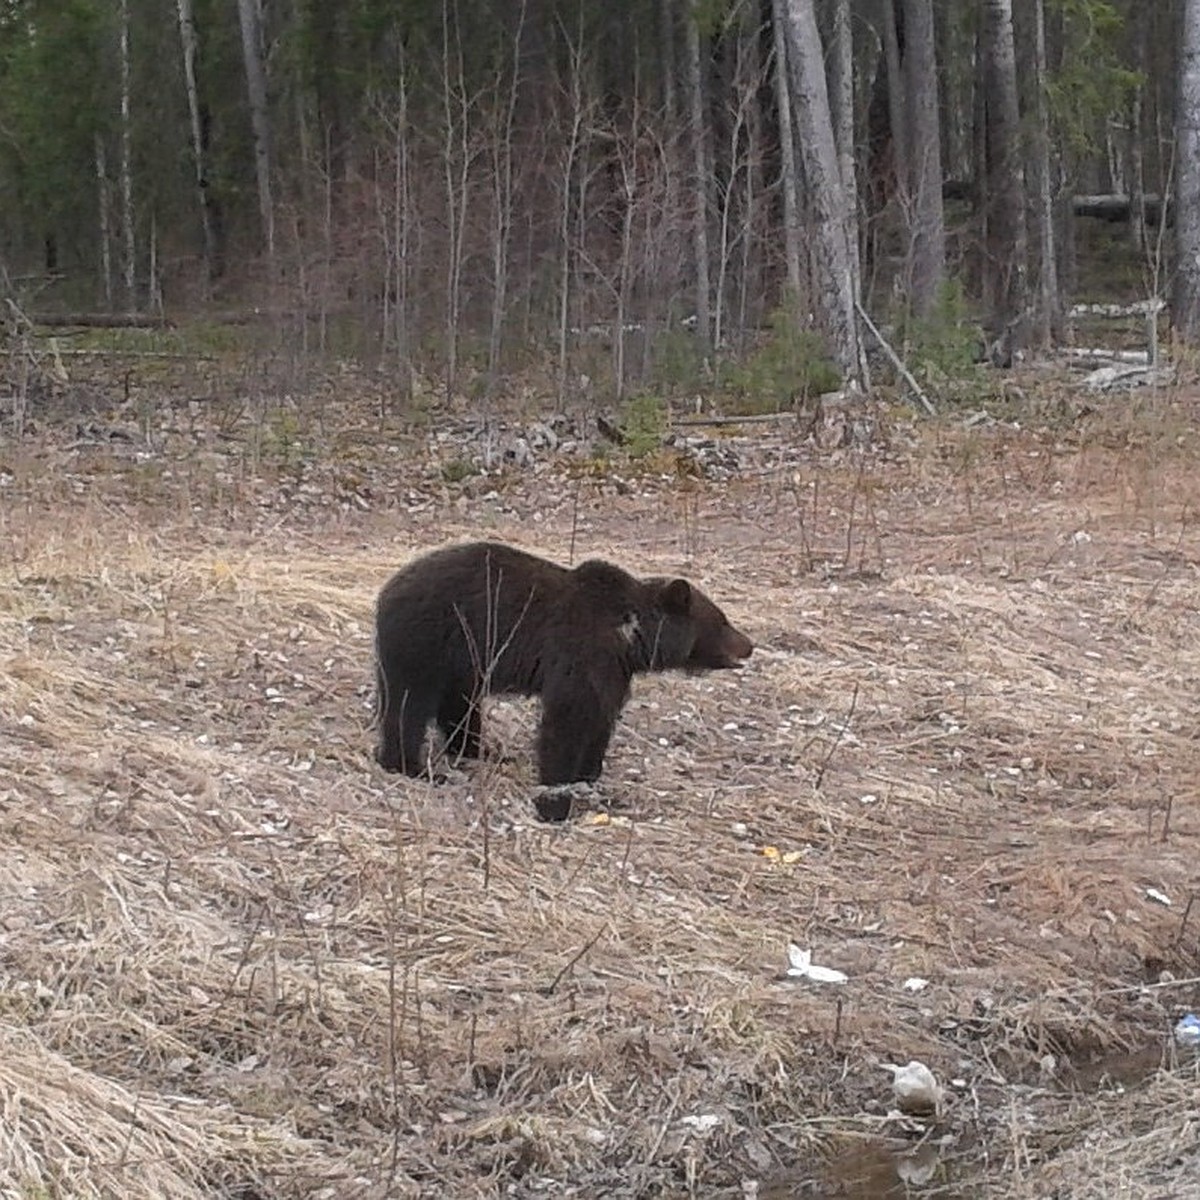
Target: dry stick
x=1150, y=987
x=752, y=419
x=666, y=1125
x=628, y=848
x=395, y=1034
x=574, y=521
x=549, y=990
x=1186, y=913
x=838, y=740
x=905, y=373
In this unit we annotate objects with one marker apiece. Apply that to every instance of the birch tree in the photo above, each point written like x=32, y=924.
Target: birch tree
x=250, y=19
x=1186, y=298
x=787, y=153
x=841, y=97
x=928, y=233
x=703, y=174
x=836, y=288
x=1007, y=236
x=126, y=168
x=1041, y=206
x=187, y=39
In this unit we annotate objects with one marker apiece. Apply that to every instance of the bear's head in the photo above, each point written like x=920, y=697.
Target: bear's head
x=690, y=632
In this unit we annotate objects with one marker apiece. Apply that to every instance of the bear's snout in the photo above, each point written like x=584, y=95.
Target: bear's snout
x=738, y=647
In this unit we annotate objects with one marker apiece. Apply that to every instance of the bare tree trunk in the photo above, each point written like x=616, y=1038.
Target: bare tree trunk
x=575, y=127
x=666, y=19
x=1186, y=299
x=502, y=199
x=897, y=111
x=393, y=207
x=928, y=234
x=1137, y=172
x=1062, y=200
x=402, y=224
x=979, y=266
x=154, y=296
x=250, y=17
x=1042, y=203
x=456, y=163
x=703, y=175
x=627, y=146
x=1007, y=244
x=187, y=38
x=787, y=153
x=105, y=221
x=744, y=91
x=837, y=290
x=127, y=222
x=751, y=274
x=841, y=99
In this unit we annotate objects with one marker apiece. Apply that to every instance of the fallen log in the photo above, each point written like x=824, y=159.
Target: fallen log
x=1104, y=206
x=100, y=320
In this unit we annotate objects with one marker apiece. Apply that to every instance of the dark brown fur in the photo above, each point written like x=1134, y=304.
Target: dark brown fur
x=467, y=620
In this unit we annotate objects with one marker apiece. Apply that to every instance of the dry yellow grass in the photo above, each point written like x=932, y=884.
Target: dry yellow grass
x=235, y=959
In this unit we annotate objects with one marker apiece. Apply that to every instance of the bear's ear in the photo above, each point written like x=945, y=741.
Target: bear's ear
x=677, y=596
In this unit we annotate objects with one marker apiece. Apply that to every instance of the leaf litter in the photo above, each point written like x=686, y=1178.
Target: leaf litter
x=234, y=957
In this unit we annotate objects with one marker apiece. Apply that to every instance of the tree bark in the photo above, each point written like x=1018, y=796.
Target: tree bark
x=703, y=176
x=787, y=155
x=1007, y=235
x=249, y=16
x=928, y=234
x=837, y=289
x=841, y=98
x=897, y=113
x=127, y=223
x=105, y=228
x=1186, y=298
x=1048, y=311
x=187, y=38
x=666, y=21
x=1137, y=170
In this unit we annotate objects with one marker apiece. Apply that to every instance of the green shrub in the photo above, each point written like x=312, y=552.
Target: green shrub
x=678, y=359
x=943, y=346
x=787, y=369
x=458, y=469
x=643, y=423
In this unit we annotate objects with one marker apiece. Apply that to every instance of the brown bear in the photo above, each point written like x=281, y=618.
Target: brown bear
x=467, y=620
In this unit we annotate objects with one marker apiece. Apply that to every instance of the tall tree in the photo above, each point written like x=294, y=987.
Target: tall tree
x=702, y=182
x=1007, y=238
x=787, y=153
x=127, y=222
x=927, y=233
x=188, y=40
x=836, y=288
x=897, y=115
x=841, y=98
x=1041, y=200
x=1185, y=301
x=250, y=19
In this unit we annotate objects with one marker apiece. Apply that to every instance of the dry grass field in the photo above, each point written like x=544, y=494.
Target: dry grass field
x=237, y=960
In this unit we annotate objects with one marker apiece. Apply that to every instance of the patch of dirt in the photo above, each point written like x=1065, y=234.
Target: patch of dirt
x=237, y=959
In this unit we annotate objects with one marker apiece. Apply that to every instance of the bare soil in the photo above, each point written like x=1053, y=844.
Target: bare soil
x=238, y=960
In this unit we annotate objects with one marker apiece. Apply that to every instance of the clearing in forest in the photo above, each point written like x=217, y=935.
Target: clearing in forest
x=237, y=959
